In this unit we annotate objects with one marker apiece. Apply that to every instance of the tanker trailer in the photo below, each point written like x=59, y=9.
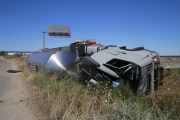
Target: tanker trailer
x=62, y=59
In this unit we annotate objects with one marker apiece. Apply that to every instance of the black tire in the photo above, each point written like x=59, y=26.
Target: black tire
x=29, y=65
x=36, y=69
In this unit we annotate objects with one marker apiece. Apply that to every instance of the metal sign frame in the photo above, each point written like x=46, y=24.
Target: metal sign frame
x=57, y=31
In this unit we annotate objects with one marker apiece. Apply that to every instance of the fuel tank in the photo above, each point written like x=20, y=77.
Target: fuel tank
x=53, y=61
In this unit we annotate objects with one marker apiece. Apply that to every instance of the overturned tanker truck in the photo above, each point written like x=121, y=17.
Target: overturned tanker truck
x=95, y=62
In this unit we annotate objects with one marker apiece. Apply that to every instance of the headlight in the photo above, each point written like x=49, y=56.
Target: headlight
x=155, y=59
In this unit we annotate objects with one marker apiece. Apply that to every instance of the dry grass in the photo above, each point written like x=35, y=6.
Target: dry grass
x=62, y=97
x=19, y=60
x=167, y=97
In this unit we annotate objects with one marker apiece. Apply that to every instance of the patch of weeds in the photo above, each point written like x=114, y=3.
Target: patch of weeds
x=63, y=97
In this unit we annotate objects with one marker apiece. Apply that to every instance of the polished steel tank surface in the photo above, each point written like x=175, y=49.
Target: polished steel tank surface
x=51, y=62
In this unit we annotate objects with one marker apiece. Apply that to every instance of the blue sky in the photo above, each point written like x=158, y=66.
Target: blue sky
x=153, y=24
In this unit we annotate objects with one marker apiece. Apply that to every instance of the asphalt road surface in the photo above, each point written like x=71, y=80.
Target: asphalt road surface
x=171, y=61
x=171, y=64
x=13, y=95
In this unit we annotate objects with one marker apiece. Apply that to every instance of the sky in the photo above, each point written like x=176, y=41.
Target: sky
x=153, y=24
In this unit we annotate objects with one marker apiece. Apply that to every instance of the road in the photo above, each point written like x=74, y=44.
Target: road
x=168, y=64
x=171, y=62
x=14, y=104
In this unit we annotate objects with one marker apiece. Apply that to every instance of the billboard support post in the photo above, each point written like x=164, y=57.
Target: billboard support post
x=57, y=31
x=43, y=40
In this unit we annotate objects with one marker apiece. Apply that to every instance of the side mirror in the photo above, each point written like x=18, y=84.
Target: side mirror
x=90, y=62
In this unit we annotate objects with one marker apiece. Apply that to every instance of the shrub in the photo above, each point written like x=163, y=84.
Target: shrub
x=2, y=53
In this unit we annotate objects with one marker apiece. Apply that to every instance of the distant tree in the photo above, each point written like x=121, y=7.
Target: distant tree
x=2, y=53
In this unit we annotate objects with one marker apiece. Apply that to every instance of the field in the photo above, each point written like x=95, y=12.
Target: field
x=62, y=97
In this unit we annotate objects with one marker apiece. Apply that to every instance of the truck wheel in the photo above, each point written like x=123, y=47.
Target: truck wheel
x=36, y=69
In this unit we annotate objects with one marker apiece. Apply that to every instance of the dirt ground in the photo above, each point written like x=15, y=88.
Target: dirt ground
x=14, y=97
x=170, y=87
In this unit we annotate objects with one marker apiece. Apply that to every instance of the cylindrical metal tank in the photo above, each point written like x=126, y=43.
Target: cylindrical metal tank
x=53, y=61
